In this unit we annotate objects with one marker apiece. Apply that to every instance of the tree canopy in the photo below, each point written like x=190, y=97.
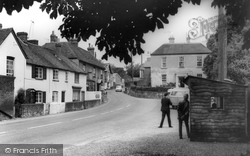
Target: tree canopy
x=120, y=25
x=238, y=59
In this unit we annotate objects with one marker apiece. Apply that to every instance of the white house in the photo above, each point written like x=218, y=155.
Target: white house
x=12, y=58
x=172, y=62
x=47, y=75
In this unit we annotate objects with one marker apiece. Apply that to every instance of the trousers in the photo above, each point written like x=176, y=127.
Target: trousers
x=180, y=126
x=164, y=113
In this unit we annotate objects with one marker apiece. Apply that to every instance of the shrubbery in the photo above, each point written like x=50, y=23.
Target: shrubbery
x=153, y=89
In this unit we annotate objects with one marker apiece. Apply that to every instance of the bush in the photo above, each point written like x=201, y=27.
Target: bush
x=153, y=89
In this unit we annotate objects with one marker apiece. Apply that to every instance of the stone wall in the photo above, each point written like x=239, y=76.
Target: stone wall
x=223, y=124
x=74, y=106
x=6, y=97
x=31, y=110
x=92, y=103
x=80, y=105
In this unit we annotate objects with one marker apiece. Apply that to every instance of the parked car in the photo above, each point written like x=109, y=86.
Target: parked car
x=176, y=95
x=118, y=89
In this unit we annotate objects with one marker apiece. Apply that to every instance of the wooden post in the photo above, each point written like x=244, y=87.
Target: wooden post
x=222, y=44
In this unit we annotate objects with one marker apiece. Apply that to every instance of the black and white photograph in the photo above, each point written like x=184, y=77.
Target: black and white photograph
x=124, y=77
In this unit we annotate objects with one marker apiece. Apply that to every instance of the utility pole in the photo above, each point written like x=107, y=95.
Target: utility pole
x=222, y=44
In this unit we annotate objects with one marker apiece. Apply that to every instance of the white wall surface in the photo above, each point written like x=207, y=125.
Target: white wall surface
x=9, y=47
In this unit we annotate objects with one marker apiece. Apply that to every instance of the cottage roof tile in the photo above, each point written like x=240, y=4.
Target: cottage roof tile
x=72, y=51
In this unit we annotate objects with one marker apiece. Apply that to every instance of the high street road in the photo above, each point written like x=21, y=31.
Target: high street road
x=124, y=125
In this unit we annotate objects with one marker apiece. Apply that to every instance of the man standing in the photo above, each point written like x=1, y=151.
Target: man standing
x=165, y=108
x=183, y=115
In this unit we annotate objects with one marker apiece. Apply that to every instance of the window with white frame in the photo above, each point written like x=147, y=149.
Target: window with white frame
x=39, y=72
x=55, y=74
x=164, y=62
x=39, y=97
x=66, y=76
x=76, y=78
x=55, y=96
x=164, y=79
x=181, y=62
x=199, y=61
x=10, y=66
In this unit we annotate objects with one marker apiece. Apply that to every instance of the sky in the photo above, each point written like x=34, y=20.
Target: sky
x=39, y=26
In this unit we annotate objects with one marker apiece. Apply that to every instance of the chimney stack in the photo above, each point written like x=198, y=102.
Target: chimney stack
x=33, y=42
x=74, y=41
x=171, y=39
x=53, y=38
x=91, y=49
x=23, y=36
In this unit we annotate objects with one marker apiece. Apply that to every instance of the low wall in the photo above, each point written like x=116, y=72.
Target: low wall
x=6, y=97
x=146, y=94
x=92, y=103
x=30, y=110
x=74, y=106
x=55, y=108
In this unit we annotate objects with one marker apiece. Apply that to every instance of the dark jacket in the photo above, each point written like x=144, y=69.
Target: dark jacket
x=165, y=103
x=183, y=110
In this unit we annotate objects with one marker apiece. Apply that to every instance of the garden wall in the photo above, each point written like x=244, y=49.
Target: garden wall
x=55, y=108
x=6, y=97
x=146, y=94
x=31, y=110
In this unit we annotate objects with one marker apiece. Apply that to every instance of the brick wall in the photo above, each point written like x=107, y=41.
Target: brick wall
x=6, y=97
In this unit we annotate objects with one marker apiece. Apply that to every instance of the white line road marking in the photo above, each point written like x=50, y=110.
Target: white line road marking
x=105, y=113
x=83, y=118
x=119, y=108
x=45, y=125
x=3, y=133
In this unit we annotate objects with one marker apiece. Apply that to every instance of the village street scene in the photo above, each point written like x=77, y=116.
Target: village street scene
x=125, y=78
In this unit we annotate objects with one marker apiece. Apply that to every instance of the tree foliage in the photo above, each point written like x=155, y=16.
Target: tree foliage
x=135, y=68
x=120, y=25
x=238, y=59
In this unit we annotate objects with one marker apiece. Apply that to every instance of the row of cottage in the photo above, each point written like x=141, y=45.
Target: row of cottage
x=55, y=72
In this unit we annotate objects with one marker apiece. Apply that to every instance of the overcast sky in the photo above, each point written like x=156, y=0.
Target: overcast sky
x=39, y=26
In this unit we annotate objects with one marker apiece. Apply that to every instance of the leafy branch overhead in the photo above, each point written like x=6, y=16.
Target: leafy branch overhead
x=121, y=25
x=118, y=25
